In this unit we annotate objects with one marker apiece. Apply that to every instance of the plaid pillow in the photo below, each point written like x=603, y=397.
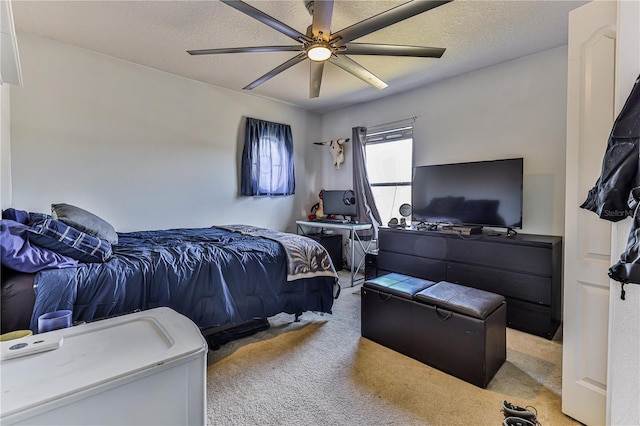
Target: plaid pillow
x=37, y=218
x=68, y=241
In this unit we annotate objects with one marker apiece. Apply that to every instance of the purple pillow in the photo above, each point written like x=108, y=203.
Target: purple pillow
x=17, y=253
x=17, y=215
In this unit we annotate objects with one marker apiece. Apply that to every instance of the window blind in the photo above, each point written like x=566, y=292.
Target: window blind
x=396, y=130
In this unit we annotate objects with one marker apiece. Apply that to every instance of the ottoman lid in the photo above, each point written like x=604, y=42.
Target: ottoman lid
x=461, y=299
x=398, y=284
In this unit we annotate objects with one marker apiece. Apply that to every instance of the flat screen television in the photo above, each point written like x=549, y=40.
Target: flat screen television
x=482, y=193
x=339, y=202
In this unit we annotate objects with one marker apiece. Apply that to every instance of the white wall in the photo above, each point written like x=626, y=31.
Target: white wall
x=514, y=109
x=5, y=147
x=142, y=148
x=147, y=149
x=623, y=376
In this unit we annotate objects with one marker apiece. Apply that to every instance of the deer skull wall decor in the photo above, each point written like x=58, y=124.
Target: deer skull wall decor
x=336, y=147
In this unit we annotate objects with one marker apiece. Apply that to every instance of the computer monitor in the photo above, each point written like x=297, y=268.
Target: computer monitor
x=339, y=202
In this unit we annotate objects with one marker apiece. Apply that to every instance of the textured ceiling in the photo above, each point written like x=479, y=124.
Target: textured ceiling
x=476, y=34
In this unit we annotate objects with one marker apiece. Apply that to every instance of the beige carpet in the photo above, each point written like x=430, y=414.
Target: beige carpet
x=319, y=371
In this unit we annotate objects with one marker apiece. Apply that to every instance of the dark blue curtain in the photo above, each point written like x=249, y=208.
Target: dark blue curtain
x=267, y=159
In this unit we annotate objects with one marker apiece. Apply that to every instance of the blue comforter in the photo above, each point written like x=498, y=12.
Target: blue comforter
x=210, y=275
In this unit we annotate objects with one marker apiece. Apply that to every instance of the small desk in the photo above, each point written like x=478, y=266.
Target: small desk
x=353, y=229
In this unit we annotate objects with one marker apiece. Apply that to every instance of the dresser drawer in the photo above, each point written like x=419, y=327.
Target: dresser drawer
x=531, y=288
x=531, y=318
x=527, y=259
x=413, y=244
x=420, y=267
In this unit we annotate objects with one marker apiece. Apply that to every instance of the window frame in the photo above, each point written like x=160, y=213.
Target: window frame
x=387, y=134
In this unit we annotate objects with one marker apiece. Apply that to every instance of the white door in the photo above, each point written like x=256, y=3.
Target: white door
x=587, y=243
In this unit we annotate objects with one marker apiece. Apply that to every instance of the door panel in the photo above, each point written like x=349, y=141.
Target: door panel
x=590, y=116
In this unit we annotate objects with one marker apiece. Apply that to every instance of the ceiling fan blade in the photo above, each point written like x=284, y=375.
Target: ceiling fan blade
x=384, y=19
x=265, y=19
x=392, y=50
x=277, y=70
x=245, y=50
x=315, y=79
x=358, y=70
x=322, y=12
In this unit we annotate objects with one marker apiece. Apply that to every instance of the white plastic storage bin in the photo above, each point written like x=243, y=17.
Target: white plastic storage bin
x=145, y=368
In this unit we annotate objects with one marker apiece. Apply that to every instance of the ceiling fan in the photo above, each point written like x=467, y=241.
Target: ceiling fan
x=320, y=45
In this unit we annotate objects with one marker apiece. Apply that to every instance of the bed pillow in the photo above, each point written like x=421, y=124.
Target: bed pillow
x=84, y=221
x=17, y=253
x=68, y=241
x=35, y=218
x=16, y=215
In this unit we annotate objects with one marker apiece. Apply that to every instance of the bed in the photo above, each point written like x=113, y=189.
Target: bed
x=217, y=277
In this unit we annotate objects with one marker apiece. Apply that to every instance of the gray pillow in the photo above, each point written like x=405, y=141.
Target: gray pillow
x=84, y=221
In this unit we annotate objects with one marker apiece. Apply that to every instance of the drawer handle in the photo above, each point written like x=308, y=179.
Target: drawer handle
x=384, y=297
x=444, y=317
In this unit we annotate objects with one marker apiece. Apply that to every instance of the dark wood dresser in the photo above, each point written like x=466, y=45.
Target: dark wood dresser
x=526, y=269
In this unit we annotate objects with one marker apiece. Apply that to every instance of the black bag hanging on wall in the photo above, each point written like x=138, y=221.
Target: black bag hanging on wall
x=616, y=194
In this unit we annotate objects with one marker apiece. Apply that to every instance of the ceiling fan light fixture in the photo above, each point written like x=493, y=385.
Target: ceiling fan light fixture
x=319, y=52
x=319, y=44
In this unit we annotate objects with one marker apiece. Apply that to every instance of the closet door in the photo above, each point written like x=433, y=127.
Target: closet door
x=590, y=117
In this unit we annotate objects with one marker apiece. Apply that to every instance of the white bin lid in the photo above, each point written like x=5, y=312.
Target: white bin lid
x=96, y=354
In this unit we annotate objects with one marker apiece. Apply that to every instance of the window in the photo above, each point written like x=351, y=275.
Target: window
x=267, y=159
x=389, y=157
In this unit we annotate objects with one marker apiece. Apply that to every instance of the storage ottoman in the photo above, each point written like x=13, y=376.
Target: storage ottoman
x=456, y=329
x=386, y=310
x=461, y=331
